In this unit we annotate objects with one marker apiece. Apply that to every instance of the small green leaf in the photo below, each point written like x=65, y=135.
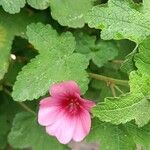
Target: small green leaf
x=12, y=6
x=70, y=13
x=26, y=132
x=110, y=137
x=120, y=19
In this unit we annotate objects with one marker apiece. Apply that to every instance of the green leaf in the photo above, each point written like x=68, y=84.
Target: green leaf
x=134, y=105
x=119, y=20
x=56, y=63
x=38, y=4
x=142, y=59
x=45, y=38
x=12, y=6
x=100, y=52
x=26, y=132
x=46, y=69
x=110, y=137
x=70, y=13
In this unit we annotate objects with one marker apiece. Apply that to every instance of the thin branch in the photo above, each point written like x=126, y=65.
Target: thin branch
x=117, y=61
x=26, y=108
x=108, y=79
x=23, y=105
x=113, y=90
x=118, y=89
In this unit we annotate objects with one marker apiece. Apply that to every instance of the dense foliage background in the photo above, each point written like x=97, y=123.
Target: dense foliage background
x=103, y=45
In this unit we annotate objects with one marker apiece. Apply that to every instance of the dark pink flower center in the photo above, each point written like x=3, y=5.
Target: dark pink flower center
x=72, y=105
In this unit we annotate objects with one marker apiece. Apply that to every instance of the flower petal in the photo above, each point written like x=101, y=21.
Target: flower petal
x=63, y=128
x=64, y=89
x=48, y=111
x=87, y=104
x=50, y=101
x=83, y=125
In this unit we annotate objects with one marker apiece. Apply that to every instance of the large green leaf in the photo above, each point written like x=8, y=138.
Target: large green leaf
x=133, y=105
x=56, y=63
x=120, y=19
x=110, y=137
x=26, y=132
x=70, y=12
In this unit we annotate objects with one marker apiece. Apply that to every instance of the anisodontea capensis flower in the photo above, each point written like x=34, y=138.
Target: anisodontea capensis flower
x=65, y=114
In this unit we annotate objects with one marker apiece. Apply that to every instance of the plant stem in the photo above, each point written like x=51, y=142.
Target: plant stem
x=117, y=61
x=108, y=79
x=26, y=108
x=113, y=90
x=21, y=103
x=118, y=89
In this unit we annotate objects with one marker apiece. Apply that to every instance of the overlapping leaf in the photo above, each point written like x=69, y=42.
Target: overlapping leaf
x=133, y=105
x=120, y=20
x=142, y=59
x=9, y=27
x=100, y=52
x=56, y=63
x=12, y=6
x=26, y=132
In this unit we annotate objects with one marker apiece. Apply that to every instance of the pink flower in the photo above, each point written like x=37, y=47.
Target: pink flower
x=65, y=114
